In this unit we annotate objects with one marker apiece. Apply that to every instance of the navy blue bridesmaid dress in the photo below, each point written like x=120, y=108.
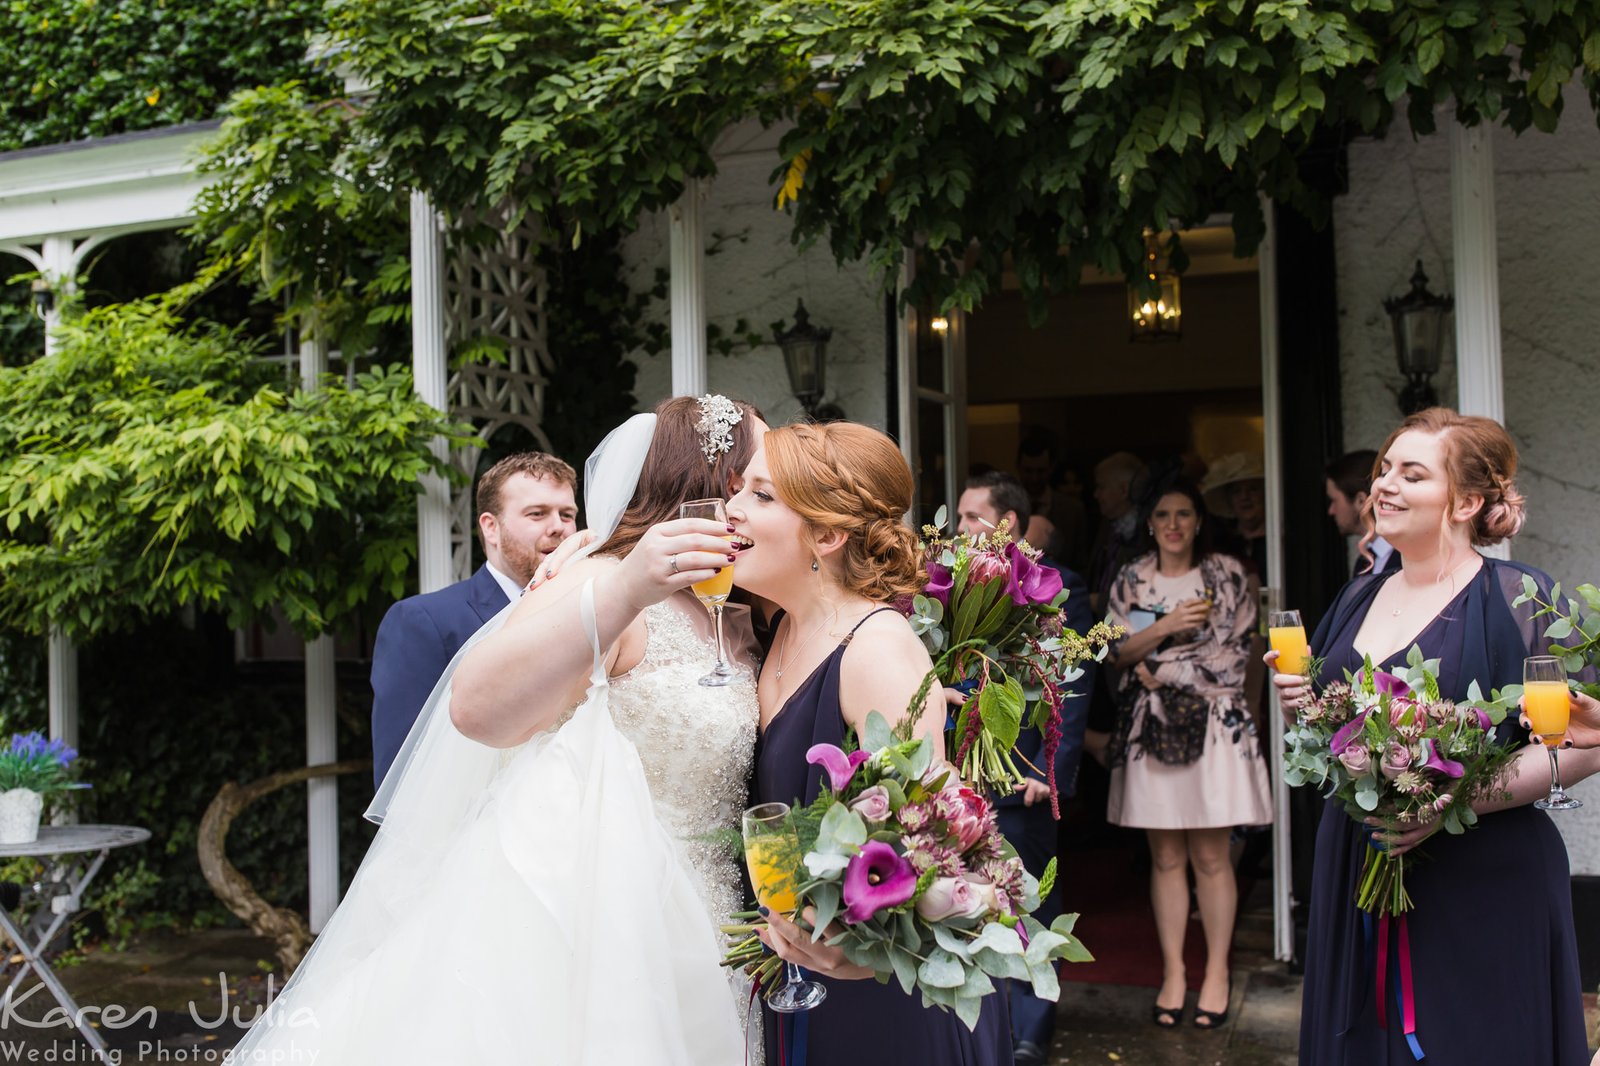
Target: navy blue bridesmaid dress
x=1493, y=953
x=861, y=1021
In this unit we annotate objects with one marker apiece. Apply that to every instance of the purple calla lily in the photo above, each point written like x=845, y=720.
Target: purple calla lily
x=1433, y=760
x=1029, y=582
x=940, y=582
x=1389, y=684
x=840, y=767
x=1347, y=734
x=877, y=878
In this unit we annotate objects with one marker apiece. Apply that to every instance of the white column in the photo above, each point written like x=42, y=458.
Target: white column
x=322, y=794
x=322, y=696
x=431, y=371
x=688, y=293
x=63, y=688
x=1282, y=871
x=60, y=269
x=1480, y=379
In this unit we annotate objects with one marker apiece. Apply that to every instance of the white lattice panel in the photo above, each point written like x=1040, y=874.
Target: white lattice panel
x=495, y=291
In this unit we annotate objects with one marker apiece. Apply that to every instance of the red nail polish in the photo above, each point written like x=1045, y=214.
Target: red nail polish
x=732, y=530
x=732, y=557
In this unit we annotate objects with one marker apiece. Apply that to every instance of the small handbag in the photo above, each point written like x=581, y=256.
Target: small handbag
x=1177, y=736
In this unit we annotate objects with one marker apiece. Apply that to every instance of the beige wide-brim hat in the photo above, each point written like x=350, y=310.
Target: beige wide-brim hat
x=1228, y=470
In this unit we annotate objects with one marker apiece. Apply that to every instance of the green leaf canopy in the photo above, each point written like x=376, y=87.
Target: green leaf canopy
x=1032, y=138
x=147, y=465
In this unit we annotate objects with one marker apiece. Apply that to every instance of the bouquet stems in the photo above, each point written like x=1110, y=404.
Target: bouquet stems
x=1383, y=883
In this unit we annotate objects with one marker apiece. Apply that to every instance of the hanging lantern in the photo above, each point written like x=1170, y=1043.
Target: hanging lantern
x=1154, y=302
x=805, y=357
x=1419, y=339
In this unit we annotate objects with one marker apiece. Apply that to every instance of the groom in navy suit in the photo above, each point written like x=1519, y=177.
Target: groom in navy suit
x=1025, y=818
x=526, y=506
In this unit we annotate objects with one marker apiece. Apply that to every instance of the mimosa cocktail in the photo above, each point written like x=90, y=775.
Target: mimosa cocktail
x=1548, y=706
x=1287, y=635
x=713, y=591
x=1545, y=702
x=772, y=854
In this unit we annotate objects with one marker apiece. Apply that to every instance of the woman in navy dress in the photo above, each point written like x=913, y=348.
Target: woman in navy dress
x=1493, y=954
x=819, y=514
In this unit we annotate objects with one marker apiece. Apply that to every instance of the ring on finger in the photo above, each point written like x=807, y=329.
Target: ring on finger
x=672, y=560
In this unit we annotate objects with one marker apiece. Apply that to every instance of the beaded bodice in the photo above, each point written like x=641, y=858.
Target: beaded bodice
x=696, y=744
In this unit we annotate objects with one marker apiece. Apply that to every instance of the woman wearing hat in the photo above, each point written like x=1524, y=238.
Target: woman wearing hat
x=1236, y=489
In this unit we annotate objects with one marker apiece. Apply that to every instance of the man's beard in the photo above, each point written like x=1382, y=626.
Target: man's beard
x=522, y=560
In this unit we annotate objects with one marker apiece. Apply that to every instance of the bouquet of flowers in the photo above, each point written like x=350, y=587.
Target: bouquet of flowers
x=37, y=764
x=1388, y=746
x=926, y=890
x=990, y=615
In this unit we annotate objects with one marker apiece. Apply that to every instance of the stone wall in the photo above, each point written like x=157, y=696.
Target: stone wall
x=753, y=272
x=1547, y=202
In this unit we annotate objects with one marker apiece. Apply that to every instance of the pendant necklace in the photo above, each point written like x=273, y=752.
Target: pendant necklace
x=782, y=666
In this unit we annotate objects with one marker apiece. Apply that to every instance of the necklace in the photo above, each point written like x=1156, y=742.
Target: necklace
x=782, y=666
x=1465, y=562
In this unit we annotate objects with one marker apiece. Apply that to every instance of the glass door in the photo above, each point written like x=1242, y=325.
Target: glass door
x=932, y=405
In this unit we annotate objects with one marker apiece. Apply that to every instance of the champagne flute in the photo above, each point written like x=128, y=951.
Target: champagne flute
x=1287, y=635
x=713, y=591
x=1546, y=702
x=771, y=852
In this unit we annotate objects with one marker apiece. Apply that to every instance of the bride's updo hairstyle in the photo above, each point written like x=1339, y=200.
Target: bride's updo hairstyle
x=676, y=469
x=1480, y=460
x=851, y=478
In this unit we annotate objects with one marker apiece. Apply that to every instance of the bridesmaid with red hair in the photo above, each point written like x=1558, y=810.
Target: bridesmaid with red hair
x=1492, y=952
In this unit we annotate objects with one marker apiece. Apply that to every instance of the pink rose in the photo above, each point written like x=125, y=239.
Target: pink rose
x=971, y=819
x=950, y=897
x=1396, y=760
x=1356, y=759
x=988, y=895
x=872, y=804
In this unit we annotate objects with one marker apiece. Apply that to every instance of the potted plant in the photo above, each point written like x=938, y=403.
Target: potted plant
x=31, y=767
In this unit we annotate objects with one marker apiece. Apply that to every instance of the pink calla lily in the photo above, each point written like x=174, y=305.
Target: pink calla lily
x=840, y=767
x=1347, y=734
x=1433, y=760
x=877, y=878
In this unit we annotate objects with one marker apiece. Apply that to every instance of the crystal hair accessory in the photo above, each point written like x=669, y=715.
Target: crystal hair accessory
x=718, y=416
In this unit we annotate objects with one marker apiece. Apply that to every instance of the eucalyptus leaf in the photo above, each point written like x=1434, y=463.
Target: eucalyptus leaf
x=942, y=970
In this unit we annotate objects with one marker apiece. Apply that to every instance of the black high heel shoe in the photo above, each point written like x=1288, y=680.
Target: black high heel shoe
x=1166, y=1017
x=1213, y=1019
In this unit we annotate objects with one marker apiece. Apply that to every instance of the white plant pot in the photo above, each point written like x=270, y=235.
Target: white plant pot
x=19, y=816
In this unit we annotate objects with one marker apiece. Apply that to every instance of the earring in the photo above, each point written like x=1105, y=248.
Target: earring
x=815, y=566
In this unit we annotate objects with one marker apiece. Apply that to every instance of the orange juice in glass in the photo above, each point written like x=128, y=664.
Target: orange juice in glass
x=1548, y=707
x=1545, y=702
x=713, y=591
x=1287, y=635
x=771, y=850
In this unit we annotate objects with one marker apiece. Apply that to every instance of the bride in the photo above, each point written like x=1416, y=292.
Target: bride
x=546, y=882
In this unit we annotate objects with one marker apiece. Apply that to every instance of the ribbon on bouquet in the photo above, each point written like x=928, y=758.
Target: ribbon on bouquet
x=792, y=1039
x=1405, y=1001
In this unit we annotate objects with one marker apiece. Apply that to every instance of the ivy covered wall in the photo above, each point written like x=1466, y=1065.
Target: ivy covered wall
x=91, y=68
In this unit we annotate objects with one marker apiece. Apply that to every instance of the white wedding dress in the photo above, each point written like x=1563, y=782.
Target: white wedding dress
x=553, y=904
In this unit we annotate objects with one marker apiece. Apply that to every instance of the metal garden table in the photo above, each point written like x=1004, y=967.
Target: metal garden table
x=73, y=854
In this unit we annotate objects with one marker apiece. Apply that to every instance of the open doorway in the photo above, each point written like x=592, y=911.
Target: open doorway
x=991, y=389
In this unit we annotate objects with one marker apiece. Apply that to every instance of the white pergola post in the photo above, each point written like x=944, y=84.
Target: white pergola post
x=59, y=265
x=1480, y=379
x=322, y=696
x=688, y=293
x=431, y=371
